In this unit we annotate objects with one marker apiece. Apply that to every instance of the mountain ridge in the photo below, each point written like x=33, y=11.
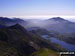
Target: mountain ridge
x=23, y=41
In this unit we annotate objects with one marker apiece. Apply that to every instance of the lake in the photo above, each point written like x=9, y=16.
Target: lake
x=63, y=44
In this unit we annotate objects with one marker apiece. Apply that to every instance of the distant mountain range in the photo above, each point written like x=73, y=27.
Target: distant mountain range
x=9, y=22
x=57, y=25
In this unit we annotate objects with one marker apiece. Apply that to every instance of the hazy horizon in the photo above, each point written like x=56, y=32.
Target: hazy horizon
x=40, y=17
x=37, y=8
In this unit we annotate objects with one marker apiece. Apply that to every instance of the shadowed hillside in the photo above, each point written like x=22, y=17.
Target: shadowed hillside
x=22, y=42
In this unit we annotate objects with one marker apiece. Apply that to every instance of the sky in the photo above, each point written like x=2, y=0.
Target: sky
x=37, y=8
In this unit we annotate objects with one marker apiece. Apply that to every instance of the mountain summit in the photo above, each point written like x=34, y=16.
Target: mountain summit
x=57, y=19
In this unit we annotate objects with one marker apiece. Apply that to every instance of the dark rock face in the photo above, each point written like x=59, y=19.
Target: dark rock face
x=14, y=36
x=23, y=41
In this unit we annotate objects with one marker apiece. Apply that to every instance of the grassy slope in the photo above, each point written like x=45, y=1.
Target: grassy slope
x=45, y=52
